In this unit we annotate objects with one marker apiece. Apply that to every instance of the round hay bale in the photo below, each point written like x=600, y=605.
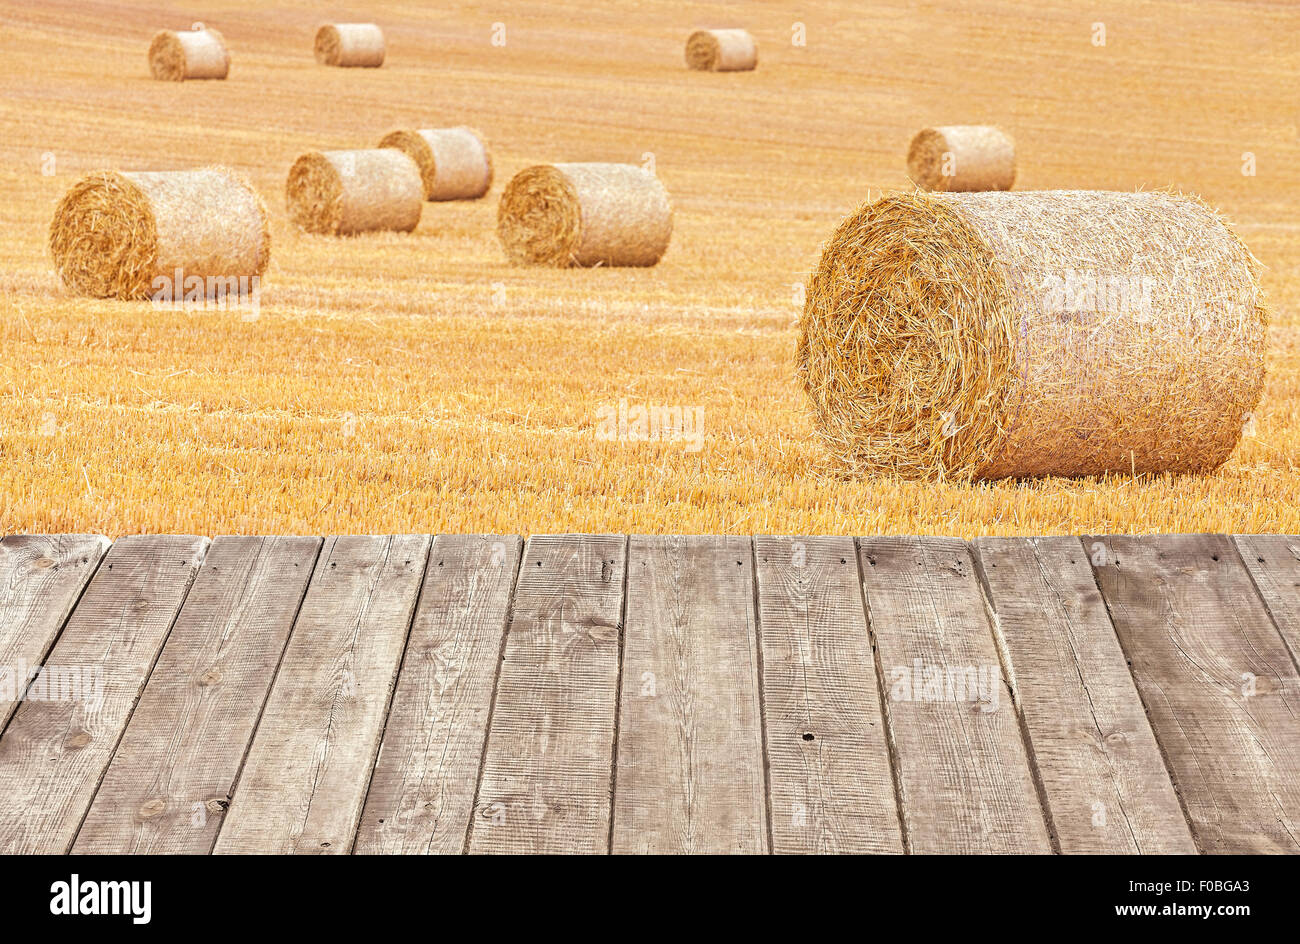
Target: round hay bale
x=345, y=192
x=997, y=335
x=585, y=215
x=962, y=158
x=454, y=163
x=113, y=234
x=197, y=54
x=350, y=44
x=724, y=50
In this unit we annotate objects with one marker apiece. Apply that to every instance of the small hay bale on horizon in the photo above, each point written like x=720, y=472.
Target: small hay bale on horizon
x=340, y=193
x=721, y=50
x=585, y=215
x=198, y=53
x=1011, y=335
x=114, y=234
x=962, y=158
x=455, y=163
x=350, y=45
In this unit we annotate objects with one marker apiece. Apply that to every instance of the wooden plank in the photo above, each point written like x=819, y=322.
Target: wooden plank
x=41, y=579
x=964, y=780
x=1106, y=784
x=305, y=779
x=172, y=776
x=832, y=789
x=1274, y=564
x=546, y=778
x=61, y=738
x=689, y=775
x=422, y=793
x=1218, y=683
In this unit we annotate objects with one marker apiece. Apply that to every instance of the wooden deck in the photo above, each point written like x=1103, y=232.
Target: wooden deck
x=597, y=693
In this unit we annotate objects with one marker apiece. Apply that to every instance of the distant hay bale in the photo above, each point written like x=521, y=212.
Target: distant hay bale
x=113, y=234
x=345, y=192
x=724, y=50
x=585, y=215
x=962, y=158
x=998, y=335
x=454, y=163
x=199, y=53
x=350, y=44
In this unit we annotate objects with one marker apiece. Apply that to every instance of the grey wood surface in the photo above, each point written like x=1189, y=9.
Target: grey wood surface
x=60, y=740
x=422, y=793
x=304, y=783
x=689, y=769
x=832, y=789
x=171, y=779
x=547, y=771
x=1106, y=784
x=1217, y=681
x=1274, y=564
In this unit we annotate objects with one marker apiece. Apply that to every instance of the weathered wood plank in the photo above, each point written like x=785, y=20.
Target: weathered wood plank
x=62, y=737
x=1106, y=784
x=689, y=775
x=422, y=793
x=304, y=782
x=1218, y=683
x=1274, y=563
x=832, y=789
x=171, y=778
x=41, y=578
x=964, y=779
x=547, y=768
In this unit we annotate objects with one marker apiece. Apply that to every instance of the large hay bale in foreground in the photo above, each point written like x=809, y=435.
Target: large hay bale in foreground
x=113, y=234
x=454, y=162
x=198, y=54
x=962, y=158
x=724, y=50
x=345, y=192
x=998, y=335
x=585, y=215
x=350, y=44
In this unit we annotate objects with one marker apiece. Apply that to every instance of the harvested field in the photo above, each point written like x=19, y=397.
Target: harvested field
x=422, y=383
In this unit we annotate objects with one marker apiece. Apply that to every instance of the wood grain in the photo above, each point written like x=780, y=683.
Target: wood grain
x=174, y=771
x=304, y=782
x=546, y=778
x=1274, y=564
x=60, y=740
x=832, y=789
x=689, y=775
x=41, y=578
x=1106, y=784
x=964, y=779
x=422, y=792
x=1218, y=683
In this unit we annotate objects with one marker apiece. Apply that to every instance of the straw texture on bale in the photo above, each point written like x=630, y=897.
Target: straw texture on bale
x=725, y=50
x=345, y=192
x=114, y=233
x=197, y=54
x=962, y=158
x=999, y=335
x=454, y=162
x=350, y=44
x=585, y=215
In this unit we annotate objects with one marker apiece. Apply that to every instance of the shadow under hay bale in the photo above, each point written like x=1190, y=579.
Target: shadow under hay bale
x=726, y=50
x=1000, y=335
x=346, y=192
x=197, y=54
x=961, y=158
x=585, y=215
x=454, y=163
x=114, y=234
x=350, y=44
